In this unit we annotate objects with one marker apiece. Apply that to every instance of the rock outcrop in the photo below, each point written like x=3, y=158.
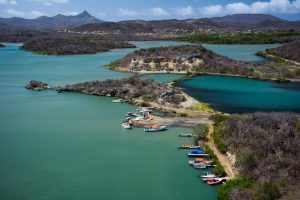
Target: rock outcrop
x=37, y=85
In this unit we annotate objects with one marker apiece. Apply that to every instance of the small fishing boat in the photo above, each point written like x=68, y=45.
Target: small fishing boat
x=214, y=181
x=198, y=160
x=131, y=114
x=199, y=165
x=189, y=146
x=155, y=128
x=197, y=152
x=185, y=135
x=119, y=101
x=126, y=125
x=208, y=175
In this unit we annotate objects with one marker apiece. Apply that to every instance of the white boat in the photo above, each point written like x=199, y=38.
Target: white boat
x=119, y=101
x=155, y=128
x=126, y=125
x=207, y=175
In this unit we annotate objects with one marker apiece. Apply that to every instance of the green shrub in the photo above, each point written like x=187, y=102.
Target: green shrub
x=216, y=135
x=218, y=118
x=200, y=129
x=144, y=104
x=218, y=169
x=225, y=189
x=182, y=114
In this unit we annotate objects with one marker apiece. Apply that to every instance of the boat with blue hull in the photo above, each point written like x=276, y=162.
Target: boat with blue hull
x=196, y=153
x=155, y=128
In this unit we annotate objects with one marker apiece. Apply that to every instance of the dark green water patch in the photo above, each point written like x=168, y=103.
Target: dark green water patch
x=240, y=95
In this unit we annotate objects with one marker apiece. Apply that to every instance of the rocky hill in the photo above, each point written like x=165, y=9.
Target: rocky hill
x=186, y=58
x=290, y=51
x=128, y=88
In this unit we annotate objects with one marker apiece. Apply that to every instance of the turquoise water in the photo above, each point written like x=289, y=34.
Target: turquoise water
x=239, y=51
x=238, y=95
x=163, y=77
x=71, y=146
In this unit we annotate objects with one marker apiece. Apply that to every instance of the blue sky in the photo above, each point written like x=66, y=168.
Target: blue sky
x=116, y=10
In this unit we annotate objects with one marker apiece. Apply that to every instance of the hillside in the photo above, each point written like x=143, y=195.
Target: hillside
x=290, y=51
x=267, y=150
x=55, y=22
x=186, y=58
x=245, y=19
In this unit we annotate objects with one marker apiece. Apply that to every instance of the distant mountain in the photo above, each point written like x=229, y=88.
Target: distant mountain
x=133, y=26
x=56, y=22
x=245, y=19
x=263, y=22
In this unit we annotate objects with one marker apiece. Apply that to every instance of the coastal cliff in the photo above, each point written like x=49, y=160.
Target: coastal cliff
x=1, y=45
x=184, y=59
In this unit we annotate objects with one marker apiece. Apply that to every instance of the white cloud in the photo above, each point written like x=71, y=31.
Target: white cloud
x=35, y=14
x=102, y=14
x=127, y=12
x=184, y=11
x=15, y=13
x=48, y=4
x=272, y=6
x=30, y=14
x=10, y=2
x=158, y=11
x=211, y=10
x=71, y=13
x=51, y=2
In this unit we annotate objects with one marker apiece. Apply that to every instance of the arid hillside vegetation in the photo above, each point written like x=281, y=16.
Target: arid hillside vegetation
x=267, y=149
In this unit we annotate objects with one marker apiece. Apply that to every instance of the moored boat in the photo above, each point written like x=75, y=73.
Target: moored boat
x=126, y=125
x=208, y=175
x=197, y=160
x=199, y=166
x=185, y=135
x=214, y=181
x=189, y=146
x=197, y=152
x=155, y=128
x=119, y=101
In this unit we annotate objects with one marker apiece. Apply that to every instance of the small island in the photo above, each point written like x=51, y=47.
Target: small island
x=194, y=59
x=1, y=45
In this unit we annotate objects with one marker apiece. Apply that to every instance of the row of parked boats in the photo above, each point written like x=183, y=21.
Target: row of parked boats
x=202, y=161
